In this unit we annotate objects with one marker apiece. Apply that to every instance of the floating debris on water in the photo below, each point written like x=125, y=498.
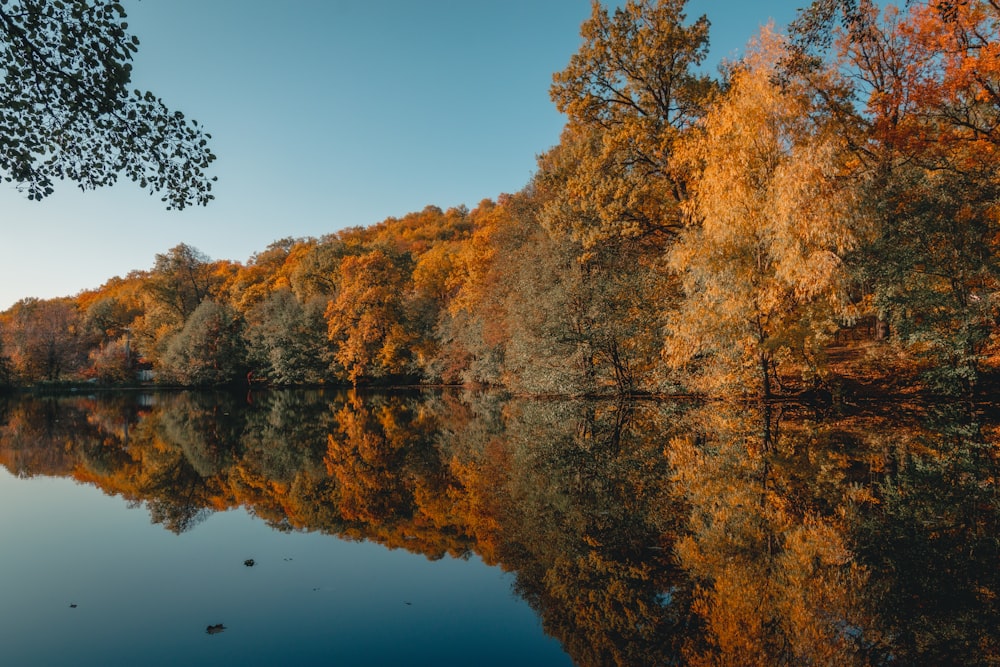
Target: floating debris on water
x=249, y=562
x=215, y=629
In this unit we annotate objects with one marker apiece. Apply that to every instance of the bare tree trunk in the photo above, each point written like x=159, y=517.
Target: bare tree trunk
x=765, y=375
x=881, y=328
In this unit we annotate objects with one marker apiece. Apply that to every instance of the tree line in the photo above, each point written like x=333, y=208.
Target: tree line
x=689, y=232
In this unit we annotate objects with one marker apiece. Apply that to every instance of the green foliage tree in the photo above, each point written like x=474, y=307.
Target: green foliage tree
x=181, y=279
x=109, y=317
x=621, y=287
x=67, y=111
x=315, y=272
x=548, y=347
x=209, y=349
x=934, y=270
x=286, y=340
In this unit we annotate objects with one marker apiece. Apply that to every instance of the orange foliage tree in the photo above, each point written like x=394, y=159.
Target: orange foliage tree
x=368, y=318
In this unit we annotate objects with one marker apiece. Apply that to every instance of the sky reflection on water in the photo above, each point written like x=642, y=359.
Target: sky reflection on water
x=145, y=596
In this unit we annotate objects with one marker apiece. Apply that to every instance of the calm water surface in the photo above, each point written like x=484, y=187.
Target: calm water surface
x=145, y=596
x=458, y=528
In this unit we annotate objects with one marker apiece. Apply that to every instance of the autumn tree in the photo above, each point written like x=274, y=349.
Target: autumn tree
x=632, y=89
x=367, y=322
x=919, y=85
x=420, y=231
x=620, y=287
x=108, y=314
x=43, y=339
x=67, y=111
x=471, y=332
x=6, y=368
x=613, y=184
x=939, y=210
x=112, y=362
x=519, y=309
x=180, y=280
x=266, y=272
x=431, y=239
x=435, y=284
x=761, y=258
x=313, y=274
x=110, y=311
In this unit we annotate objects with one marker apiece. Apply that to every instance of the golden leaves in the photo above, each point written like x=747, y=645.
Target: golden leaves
x=768, y=224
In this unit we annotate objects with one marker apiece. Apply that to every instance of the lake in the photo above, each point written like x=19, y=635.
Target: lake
x=460, y=527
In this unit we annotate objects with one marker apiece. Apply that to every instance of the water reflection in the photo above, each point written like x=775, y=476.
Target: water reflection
x=641, y=534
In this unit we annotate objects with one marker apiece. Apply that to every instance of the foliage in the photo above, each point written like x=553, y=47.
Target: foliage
x=286, y=341
x=761, y=259
x=67, y=112
x=367, y=320
x=917, y=90
x=43, y=339
x=631, y=90
x=6, y=369
x=208, y=350
x=180, y=280
x=686, y=233
x=112, y=363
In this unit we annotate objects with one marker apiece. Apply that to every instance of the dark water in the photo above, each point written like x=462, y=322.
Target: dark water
x=458, y=528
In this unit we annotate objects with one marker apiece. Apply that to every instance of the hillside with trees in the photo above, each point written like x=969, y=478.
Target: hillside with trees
x=818, y=215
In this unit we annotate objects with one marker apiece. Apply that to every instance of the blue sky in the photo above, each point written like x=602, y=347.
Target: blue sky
x=325, y=114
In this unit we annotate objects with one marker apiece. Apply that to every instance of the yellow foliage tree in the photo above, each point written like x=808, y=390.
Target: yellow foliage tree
x=768, y=223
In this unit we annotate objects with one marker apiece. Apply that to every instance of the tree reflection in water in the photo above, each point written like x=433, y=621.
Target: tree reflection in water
x=774, y=581
x=641, y=533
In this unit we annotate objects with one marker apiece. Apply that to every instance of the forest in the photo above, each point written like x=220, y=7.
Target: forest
x=819, y=216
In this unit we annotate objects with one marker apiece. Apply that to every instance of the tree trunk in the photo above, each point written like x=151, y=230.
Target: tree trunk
x=881, y=328
x=765, y=375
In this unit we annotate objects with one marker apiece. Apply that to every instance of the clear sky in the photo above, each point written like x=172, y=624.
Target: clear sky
x=325, y=114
